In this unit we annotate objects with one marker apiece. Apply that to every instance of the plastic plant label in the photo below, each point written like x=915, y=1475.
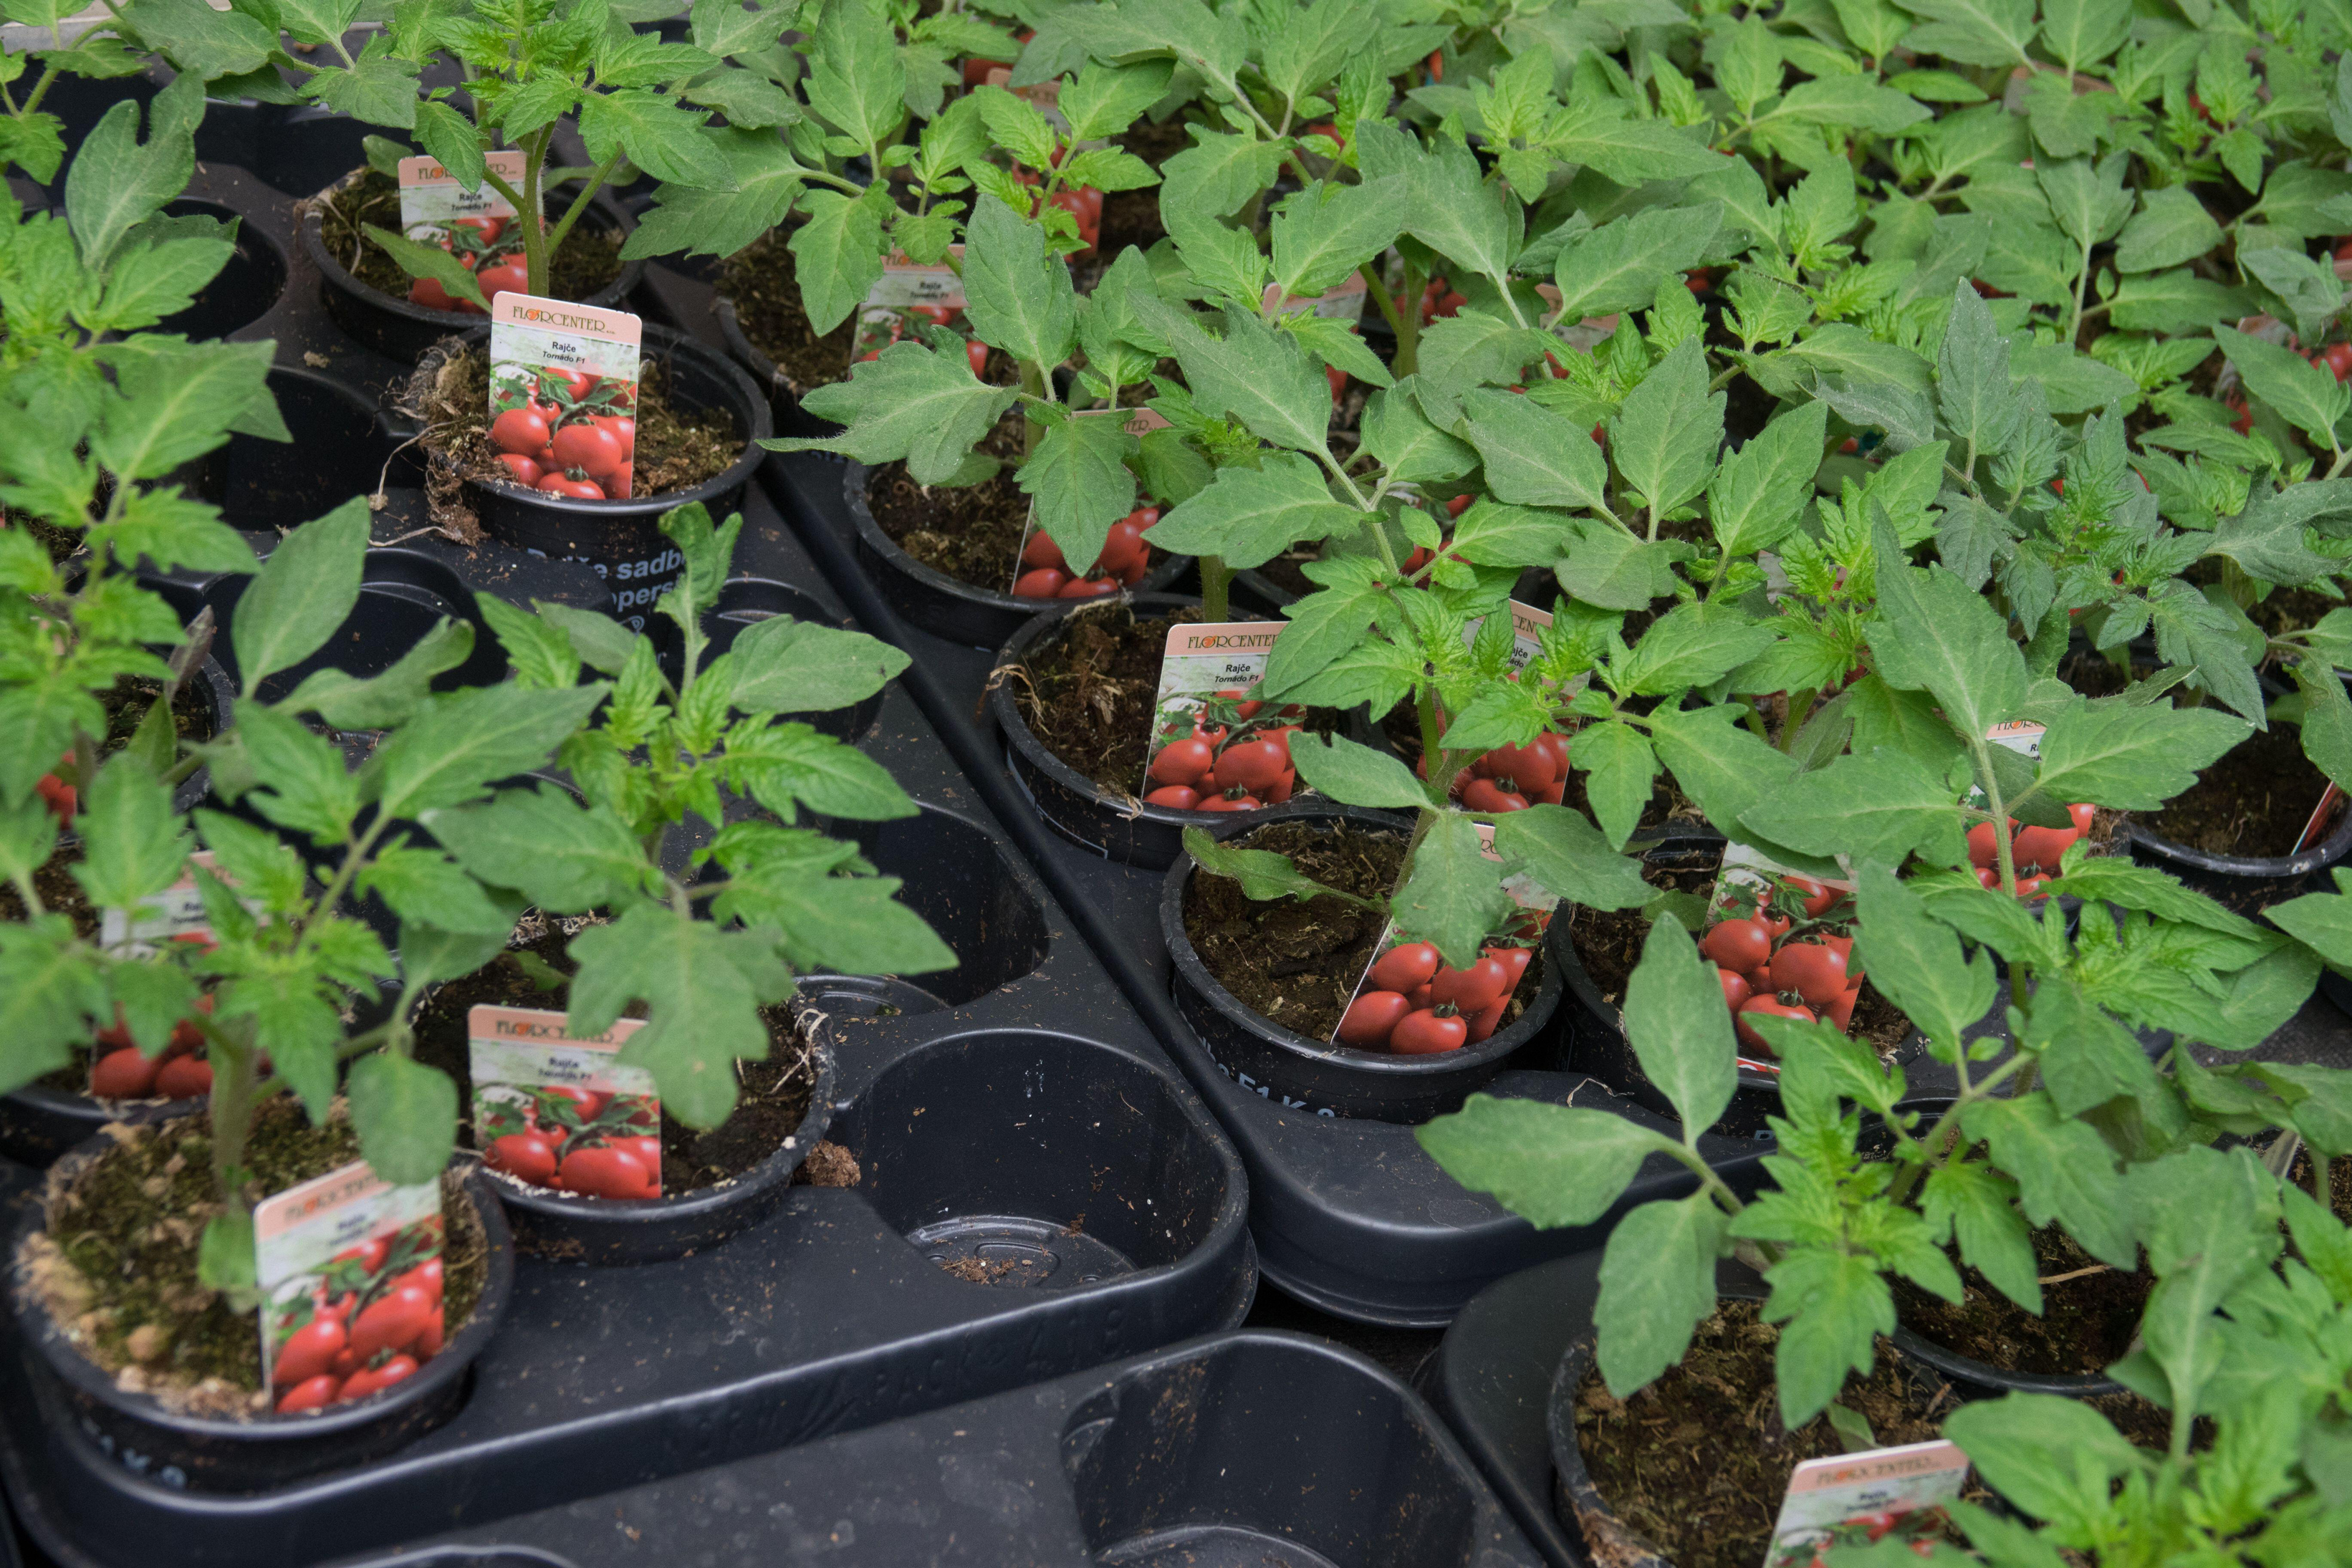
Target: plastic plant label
x=1121, y=564
x=433, y=203
x=556, y=1110
x=1343, y=301
x=1752, y=886
x=1409, y=1002
x=1211, y=739
x=1853, y=1499
x=907, y=291
x=349, y=1274
x=176, y=914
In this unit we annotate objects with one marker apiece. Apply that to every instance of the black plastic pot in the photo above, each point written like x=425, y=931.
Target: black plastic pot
x=744, y=602
x=1983, y=1379
x=948, y=606
x=215, y=1454
x=2247, y=883
x=623, y=539
x=338, y=452
x=37, y=1124
x=573, y=1229
x=400, y=330
x=1113, y=824
x=243, y=291
x=783, y=393
x=404, y=594
x=1315, y=1076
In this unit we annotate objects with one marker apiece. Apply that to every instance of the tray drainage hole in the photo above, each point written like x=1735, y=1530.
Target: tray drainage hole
x=1210, y=1546
x=1016, y=1253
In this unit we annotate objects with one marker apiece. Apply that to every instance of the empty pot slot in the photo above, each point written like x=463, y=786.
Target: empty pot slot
x=865, y=995
x=403, y=596
x=1262, y=1452
x=303, y=149
x=243, y=291
x=979, y=900
x=1027, y=1160
x=337, y=453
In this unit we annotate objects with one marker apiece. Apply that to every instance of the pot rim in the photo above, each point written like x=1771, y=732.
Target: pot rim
x=1401, y=1070
x=667, y=342
x=1967, y=1369
x=42, y=1334
x=1171, y=565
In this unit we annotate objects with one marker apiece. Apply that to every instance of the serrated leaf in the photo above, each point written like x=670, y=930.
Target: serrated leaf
x=304, y=590
x=1551, y=1165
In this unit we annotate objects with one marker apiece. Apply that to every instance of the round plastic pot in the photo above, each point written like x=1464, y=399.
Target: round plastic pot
x=575, y=1228
x=948, y=606
x=243, y=291
x=37, y=1124
x=211, y=1453
x=784, y=394
x=623, y=539
x=1983, y=1379
x=1110, y=822
x=2246, y=884
x=401, y=330
x=1608, y=1539
x=743, y=603
x=1315, y=1075
x=404, y=594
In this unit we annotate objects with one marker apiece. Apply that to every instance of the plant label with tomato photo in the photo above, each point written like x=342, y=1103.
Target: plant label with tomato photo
x=433, y=201
x=908, y=292
x=1854, y=1500
x=1041, y=571
x=1781, y=943
x=349, y=1267
x=1214, y=746
x=1411, y=1002
x=1343, y=301
x=2034, y=851
x=176, y=914
x=555, y=1109
x=564, y=376
x=1529, y=625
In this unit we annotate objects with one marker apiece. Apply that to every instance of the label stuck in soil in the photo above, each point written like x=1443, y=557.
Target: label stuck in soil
x=433, y=201
x=348, y=1268
x=1212, y=737
x=1408, y=1000
x=907, y=291
x=1751, y=887
x=571, y=369
x=557, y=1109
x=176, y=914
x=1121, y=564
x=1853, y=1499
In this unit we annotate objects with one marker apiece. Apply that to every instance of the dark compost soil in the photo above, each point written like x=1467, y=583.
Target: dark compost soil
x=772, y=1093
x=761, y=280
x=588, y=259
x=1697, y=1462
x=119, y=1261
x=971, y=532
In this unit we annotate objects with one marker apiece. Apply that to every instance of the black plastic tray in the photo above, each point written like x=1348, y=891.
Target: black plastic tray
x=1348, y=1215
x=1028, y=1122
x=1259, y=1448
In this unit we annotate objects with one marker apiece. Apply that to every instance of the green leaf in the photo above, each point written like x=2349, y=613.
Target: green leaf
x=1018, y=295
x=562, y=855
x=379, y=702
x=1693, y=644
x=2133, y=758
x=1850, y=102
x=1414, y=450
x=1456, y=214
x=424, y=887
x=1665, y=434
x=703, y=989
x=186, y=412
x=1534, y=457
x=1322, y=235
x=1876, y=808
x=1627, y=149
x=2306, y=396
x=783, y=666
x=1973, y=32
x=1979, y=1204
x=462, y=743
x=1619, y=764
x=1614, y=570
x=912, y=403
x=224, y=1255
x=659, y=135
x=853, y=925
x=133, y=844
x=1491, y=534
x=2310, y=295
x=2171, y=228
x=1758, y=494
x=1246, y=516
x=1729, y=771
x=837, y=256
x=306, y=589
x=2065, y=1172
x=1262, y=874
x=1833, y=1306
x=789, y=763
x=1452, y=893
x=1934, y=633
x=1567, y=858
x=765, y=179
x=1253, y=374
x=1973, y=386
x=1078, y=480
x=406, y=1114
x=375, y=87
x=1551, y=1165
x=1619, y=265
x=1675, y=1021
x=1355, y=775
x=1916, y=961
x=1657, y=1280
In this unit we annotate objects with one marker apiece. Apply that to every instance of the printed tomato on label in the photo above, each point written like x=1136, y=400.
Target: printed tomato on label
x=314, y=1394
x=1045, y=582
x=1818, y=896
x=526, y=470
x=1814, y=971
x=1250, y=765
x=576, y=489
x=1371, y=1017
x=308, y=1352
x=428, y=1340
x=1773, y=1006
x=519, y=430
x=1087, y=588
x=507, y=277
x=427, y=1276
x=1176, y=797
x=1183, y=761
x=184, y=1077
x=1514, y=959
x=1040, y=550
x=392, y=1319
x=367, y=1381
x=1486, y=1021
x=1737, y=945
x=1488, y=795
x=1405, y=966
x=2042, y=846
x=607, y=1172
x=592, y=451
x=1275, y=793
x=123, y=1075
x=1841, y=1009
x=1734, y=988
x=623, y=429
x=1428, y=1034
x=573, y=384
x=1530, y=766
x=528, y=1156
x=1124, y=552
x=1231, y=803
x=647, y=1149
x=1473, y=990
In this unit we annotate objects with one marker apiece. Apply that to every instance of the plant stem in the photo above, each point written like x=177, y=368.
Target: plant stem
x=2000, y=812
x=555, y=237
x=1407, y=323
x=231, y=1105
x=1215, y=576
x=1433, y=756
